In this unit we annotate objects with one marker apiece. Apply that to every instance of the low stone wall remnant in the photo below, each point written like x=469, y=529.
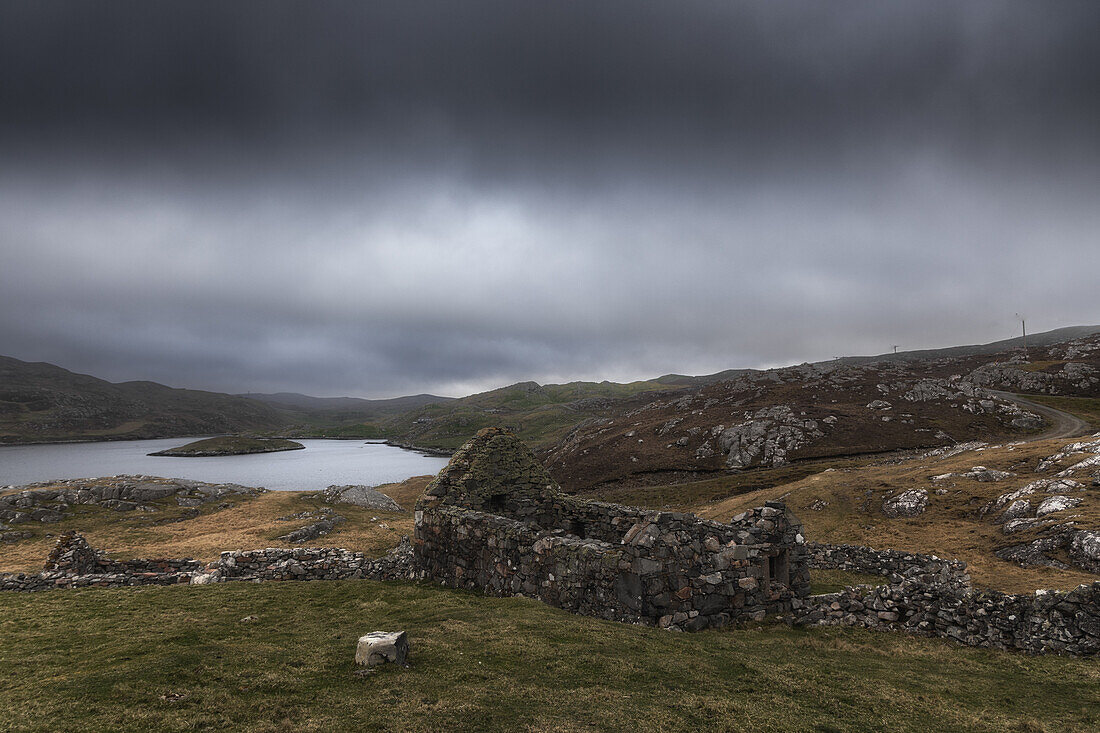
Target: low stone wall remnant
x=929, y=596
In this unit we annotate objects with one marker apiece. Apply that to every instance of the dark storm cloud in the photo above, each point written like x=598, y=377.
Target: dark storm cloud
x=377, y=198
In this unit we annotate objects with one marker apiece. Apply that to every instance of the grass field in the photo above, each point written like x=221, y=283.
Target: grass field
x=183, y=658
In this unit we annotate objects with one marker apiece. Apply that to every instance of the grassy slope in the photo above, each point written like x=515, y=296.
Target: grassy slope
x=539, y=414
x=181, y=658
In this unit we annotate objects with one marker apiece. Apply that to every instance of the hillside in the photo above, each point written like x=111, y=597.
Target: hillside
x=41, y=402
x=770, y=418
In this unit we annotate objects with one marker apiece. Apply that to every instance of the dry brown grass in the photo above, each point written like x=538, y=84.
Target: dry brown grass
x=949, y=528
x=248, y=523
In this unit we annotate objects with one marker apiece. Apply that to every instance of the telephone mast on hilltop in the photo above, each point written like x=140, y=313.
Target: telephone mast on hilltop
x=1023, y=331
x=895, y=348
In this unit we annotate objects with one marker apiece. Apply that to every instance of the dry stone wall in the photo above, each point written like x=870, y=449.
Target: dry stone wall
x=930, y=596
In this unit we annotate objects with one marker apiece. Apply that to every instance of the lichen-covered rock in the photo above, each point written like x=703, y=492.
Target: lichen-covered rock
x=1084, y=550
x=1015, y=510
x=1056, y=504
x=907, y=504
x=987, y=475
x=364, y=496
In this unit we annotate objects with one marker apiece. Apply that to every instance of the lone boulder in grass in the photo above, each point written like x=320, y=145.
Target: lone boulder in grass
x=379, y=647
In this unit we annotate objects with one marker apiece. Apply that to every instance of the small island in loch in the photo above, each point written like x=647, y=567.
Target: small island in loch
x=230, y=445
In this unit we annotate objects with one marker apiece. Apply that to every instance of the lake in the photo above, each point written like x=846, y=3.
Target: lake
x=322, y=463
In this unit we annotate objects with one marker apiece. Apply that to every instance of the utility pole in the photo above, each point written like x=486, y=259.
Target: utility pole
x=1023, y=330
x=895, y=348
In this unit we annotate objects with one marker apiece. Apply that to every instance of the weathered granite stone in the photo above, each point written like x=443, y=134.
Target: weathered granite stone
x=379, y=647
x=364, y=496
x=907, y=504
x=1056, y=504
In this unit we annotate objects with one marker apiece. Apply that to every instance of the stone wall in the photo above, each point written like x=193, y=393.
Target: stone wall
x=74, y=564
x=895, y=565
x=929, y=596
x=312, y=563
x=493, y=520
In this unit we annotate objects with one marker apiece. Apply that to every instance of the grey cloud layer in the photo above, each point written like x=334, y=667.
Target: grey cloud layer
x=385, y=198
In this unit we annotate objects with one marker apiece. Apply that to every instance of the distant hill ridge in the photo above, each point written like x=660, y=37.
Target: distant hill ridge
x=41, y=402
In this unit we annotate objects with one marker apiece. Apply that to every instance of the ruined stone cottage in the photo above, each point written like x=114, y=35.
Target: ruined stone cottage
x=494, y=520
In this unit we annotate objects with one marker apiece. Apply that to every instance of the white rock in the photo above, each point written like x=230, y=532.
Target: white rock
x=907, y=504
x=1056, y=504
x=379, y=647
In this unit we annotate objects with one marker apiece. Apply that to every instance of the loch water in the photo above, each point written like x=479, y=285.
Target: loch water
x=322, y=463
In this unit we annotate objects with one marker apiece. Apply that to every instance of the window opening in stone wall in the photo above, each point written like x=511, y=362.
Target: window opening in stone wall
x=498, y=502
x=576, y=528
x=779, y=568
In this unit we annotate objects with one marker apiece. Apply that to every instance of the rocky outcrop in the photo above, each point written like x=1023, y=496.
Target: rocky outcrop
x=767, y=437
x=1084, y=550
x=1065, y=379
x=364, y=496
x=907, y=504
x=50, y=502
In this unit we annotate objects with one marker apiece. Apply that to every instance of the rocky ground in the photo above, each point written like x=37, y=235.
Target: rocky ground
x=145, y=516
x=773, y=417
x=1021, y=515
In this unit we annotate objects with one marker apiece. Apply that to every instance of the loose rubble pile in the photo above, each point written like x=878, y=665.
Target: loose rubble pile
x=933, y=597
x=493, y=520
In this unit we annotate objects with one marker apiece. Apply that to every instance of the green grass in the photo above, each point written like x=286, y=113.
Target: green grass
x=181, y=658
x=833, y=581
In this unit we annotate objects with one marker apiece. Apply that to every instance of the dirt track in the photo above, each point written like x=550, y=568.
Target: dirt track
x=1063, y=424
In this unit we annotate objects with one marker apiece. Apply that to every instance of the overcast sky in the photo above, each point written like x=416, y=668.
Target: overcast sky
x=375, y=199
